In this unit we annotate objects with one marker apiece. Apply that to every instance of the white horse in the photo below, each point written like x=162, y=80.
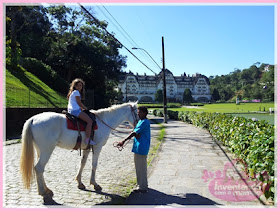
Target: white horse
x=48, y=130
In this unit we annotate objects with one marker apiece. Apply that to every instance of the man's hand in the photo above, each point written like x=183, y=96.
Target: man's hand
x=121, y=143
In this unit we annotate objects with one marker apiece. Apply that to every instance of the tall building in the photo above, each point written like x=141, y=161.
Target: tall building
x=143, y=87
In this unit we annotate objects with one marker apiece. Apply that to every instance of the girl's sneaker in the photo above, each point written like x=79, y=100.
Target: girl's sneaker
x=91, y=142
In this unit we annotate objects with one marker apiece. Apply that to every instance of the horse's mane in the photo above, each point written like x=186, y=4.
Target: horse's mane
x=113, y=108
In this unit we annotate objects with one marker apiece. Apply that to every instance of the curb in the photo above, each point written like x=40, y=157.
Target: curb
x=10, y=142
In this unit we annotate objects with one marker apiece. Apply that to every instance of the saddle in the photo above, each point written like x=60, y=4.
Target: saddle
x=75, y=123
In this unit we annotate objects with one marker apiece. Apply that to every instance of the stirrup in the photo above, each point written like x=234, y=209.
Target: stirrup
x=89, y=147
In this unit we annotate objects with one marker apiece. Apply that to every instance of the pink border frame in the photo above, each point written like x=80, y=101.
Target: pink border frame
x=2, y=43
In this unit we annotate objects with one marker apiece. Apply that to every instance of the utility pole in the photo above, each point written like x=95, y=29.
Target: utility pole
x=126, y=89
x=164, y=84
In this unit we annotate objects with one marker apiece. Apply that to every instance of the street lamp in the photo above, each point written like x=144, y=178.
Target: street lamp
x=164, y=82
x=134, y=48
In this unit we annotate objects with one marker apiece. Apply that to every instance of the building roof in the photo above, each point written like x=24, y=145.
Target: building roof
x=156, y=78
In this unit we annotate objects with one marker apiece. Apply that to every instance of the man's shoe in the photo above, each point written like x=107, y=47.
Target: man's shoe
x=143, y=191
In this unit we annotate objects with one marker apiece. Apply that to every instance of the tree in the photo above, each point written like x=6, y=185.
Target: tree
x=267, y=82
x=215, y=95
x=187, y=96
x=85, y=46
x=33, y=36
x=159, y=96
x=257, y=81
x=27, y=28
x=12, y=13
x=256, y=92
x=68, y=41
x=247, y=91
x=83, y=49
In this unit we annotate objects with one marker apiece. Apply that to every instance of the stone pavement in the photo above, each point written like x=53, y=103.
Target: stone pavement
x=189, y=161
x=115, y=174
x=180, y=176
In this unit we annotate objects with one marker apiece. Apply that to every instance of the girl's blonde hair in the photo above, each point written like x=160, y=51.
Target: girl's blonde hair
x=72, y=88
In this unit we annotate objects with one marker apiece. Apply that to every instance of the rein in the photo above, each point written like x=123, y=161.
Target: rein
x=134, y=117
x=116, y=143
x=108, y=125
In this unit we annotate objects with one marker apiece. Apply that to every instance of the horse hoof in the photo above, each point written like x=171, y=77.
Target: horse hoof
x=97, y=188
x=81, y=187
x=49, y=201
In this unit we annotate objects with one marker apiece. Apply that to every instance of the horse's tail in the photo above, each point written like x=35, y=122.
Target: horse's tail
x=27, y=155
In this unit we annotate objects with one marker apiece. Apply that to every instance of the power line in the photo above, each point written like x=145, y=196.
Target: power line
x=114, y=25
x=119, y=25
x=135, y=44
x=98, y=23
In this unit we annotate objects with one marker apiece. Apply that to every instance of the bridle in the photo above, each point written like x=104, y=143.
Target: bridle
x=134, y=115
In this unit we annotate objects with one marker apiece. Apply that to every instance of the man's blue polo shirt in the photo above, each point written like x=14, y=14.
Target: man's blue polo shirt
x=142, y=145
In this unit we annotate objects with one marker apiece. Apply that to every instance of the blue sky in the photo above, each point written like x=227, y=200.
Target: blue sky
x=206, y=39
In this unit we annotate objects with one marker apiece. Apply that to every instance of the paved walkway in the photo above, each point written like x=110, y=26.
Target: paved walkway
x=115, y=174
x=187, y=173
x=188, y=162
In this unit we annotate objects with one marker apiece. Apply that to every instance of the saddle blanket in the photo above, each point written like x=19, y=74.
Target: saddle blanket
x=72, y=126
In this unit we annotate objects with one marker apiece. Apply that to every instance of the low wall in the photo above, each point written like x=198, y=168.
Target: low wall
x=16, y=117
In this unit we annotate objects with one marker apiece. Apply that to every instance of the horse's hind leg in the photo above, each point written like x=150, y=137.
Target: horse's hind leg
x=94, y=167
x=82, y=165
x=39, y=169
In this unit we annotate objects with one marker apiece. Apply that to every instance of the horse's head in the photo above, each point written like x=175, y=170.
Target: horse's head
x=132, y=116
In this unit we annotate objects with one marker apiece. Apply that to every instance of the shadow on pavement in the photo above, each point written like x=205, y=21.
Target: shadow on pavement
x=155, y=121
x=112, y=199
x=154, y=197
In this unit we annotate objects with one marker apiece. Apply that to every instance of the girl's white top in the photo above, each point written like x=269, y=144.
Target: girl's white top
x=72, y=102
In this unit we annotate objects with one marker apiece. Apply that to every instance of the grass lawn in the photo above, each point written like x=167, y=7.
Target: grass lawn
x=228, y=107
x=23, y=89
x=159, y=105
x=219, y=107
x=270, y=118
x=247, y=110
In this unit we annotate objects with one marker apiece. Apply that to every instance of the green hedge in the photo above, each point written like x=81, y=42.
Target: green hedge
x=46, y=74
x=158, y=113
x=251, y=141
x=160, y=105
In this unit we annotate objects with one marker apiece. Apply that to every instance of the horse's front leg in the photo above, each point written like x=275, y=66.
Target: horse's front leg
x=94, y=167
x=82, y=165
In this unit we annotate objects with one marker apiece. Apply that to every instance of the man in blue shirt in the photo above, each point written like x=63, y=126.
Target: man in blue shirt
x=141, y=146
